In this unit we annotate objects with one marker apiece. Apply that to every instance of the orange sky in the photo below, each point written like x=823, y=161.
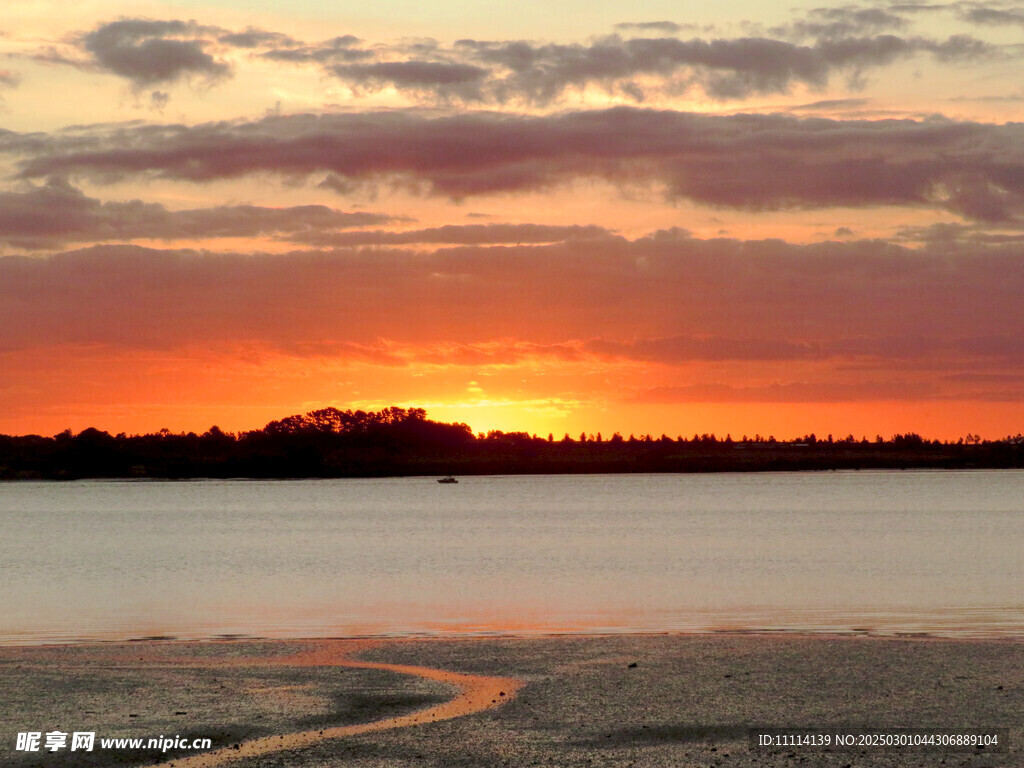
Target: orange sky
x=754, y=221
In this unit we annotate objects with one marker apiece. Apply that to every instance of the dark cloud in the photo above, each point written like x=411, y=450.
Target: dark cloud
x=956, y=234
x=12, y=142
x=50, y=55
x=256, y=38
x=469, y=234
x=337, y=50
x=918, y=7
x=668, y=27
x=831, y=104
x=1008, y=99
x=723, y=68
x=959, y=48
x=52, y=215
x=443, y=79
x=751, y=162
x=942, y=232
x=998, y=16
x=843, y=22
x=846, y=42
x=666, y=299
x=149, y=52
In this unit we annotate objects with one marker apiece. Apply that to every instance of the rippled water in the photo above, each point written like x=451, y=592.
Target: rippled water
x=886, y=552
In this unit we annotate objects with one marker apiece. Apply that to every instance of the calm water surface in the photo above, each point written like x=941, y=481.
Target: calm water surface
x=885, y=552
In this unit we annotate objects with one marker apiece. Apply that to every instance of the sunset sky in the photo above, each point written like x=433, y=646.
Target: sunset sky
x=551, y=217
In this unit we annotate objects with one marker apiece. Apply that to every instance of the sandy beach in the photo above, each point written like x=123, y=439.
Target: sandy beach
x=637, y=700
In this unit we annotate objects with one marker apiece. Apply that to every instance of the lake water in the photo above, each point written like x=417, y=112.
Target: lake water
x=885, y=552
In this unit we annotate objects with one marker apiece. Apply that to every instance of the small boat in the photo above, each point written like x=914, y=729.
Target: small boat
x=448, y=479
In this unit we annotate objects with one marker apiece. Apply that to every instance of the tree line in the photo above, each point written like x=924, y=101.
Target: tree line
x=402, y=441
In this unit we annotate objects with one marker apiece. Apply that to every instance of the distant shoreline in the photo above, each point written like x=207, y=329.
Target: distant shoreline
x=529, y=457
x=780, y=461
x=762, y=632
x=398, y=442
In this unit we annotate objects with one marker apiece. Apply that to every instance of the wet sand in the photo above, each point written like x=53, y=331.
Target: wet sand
x=664, y=700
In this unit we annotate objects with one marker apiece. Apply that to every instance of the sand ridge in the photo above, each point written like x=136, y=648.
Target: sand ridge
x=475, y=693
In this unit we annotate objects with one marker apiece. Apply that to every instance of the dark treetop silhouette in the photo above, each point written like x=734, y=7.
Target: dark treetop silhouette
x=403, y=441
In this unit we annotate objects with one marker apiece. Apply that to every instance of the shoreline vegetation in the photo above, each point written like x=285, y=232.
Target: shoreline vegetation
x=403, y=441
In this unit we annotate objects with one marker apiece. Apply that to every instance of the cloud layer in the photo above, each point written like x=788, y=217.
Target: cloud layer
x=51, y=215
x=668, y=299
x=748, y=162
x=149, y=53
x=642, y=59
